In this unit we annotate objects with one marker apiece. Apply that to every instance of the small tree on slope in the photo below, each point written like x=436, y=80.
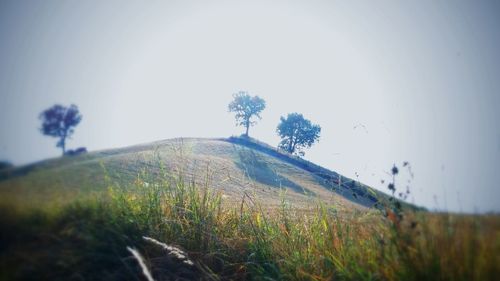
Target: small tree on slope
x=59, y=122
x=297, y=133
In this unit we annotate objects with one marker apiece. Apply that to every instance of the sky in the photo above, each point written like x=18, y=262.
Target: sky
x=388, y=81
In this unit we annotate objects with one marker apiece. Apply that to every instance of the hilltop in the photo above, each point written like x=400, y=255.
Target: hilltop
x=232, y=165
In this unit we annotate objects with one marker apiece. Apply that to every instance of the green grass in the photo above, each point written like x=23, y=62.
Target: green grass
x=87, y=239
x=237, y=211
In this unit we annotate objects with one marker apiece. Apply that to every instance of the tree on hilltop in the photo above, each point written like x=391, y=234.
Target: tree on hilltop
x=297, y=133
x=245, y=108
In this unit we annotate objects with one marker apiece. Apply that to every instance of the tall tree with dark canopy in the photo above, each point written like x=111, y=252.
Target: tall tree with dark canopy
x=59, y=122
x=245, y=107
x=297, y=133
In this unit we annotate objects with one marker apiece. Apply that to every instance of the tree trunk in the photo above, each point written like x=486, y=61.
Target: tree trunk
x=247, y=123
x=63, y=145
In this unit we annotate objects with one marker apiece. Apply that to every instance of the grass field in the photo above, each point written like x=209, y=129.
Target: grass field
x=58, y=231
x=231, y=167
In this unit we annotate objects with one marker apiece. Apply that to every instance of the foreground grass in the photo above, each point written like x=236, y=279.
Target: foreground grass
x=88, y=239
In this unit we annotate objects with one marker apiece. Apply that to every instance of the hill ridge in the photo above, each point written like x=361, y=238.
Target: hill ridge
x=320, y=171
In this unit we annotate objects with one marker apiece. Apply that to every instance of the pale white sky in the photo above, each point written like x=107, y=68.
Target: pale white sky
x=421, y=76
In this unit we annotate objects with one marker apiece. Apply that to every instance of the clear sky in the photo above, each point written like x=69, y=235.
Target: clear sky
x=423, y=77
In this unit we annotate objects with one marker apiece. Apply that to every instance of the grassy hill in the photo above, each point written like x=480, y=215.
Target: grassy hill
x=233, y=165
x=224, y=209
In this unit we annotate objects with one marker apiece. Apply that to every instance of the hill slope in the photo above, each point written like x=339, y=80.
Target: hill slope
x=234, y=165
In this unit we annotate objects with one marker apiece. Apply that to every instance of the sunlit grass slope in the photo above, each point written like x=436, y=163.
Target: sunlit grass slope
x=234, y=166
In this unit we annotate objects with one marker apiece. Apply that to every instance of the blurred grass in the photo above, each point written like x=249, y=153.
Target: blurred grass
x=86, y=238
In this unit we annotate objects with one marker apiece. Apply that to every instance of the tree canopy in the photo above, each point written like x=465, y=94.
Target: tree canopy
x=245, y=108
x=297, y=133
x=59, y=122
